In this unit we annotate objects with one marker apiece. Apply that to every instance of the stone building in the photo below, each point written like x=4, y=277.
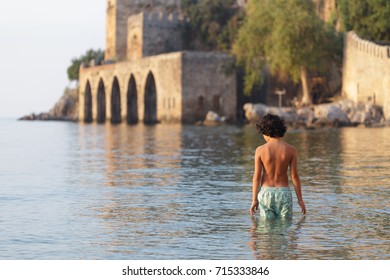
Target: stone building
x=147, y=77
x=366, y=72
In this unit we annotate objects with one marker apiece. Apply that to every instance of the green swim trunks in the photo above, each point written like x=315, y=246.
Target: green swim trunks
x=275, y=202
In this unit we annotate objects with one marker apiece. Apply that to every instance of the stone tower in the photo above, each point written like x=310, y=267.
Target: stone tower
x=152, y=34
x=117, y=14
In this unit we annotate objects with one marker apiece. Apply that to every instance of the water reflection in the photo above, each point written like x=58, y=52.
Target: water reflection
x=275, y=238
x=173, y=191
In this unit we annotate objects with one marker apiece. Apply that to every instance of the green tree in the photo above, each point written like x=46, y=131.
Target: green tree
x=74, y=68
x=368, y=18
x=287, y=36
x=211, y=24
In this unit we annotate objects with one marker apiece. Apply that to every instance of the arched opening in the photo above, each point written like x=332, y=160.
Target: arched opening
x=101, y=103
x=217, y=104
x=115, y=102
x=88, y=104
x=150, y=101
x=200, y=109
x=132, y=103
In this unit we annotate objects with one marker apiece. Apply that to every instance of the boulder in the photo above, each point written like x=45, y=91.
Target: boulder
x=340, y=113
x=255, y=112
x=330, y=113
x=213, y=118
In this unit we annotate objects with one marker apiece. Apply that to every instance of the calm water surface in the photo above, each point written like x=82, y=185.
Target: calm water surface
x=74, y=191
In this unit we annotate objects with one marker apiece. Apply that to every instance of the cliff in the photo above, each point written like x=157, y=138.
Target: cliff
x=66, y=109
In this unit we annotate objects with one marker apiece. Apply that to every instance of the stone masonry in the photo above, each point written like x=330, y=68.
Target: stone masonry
x=146, y=77
x=366, y=72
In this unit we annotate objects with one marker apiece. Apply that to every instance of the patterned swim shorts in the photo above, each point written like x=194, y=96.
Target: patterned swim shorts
x=275, y=202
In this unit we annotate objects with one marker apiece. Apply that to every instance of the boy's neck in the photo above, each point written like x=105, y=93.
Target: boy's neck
x=271, y=139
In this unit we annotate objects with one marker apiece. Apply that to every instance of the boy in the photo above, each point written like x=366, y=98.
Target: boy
x=272, y=161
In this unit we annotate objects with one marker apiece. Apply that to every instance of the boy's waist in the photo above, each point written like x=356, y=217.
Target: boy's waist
x=275, y=189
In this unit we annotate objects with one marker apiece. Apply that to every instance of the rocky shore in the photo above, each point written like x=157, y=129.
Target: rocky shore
x=66, y=109
x=336, y=114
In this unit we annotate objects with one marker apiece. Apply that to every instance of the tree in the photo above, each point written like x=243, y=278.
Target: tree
x=74, y=68
x=211, y=25
x=286, y=36
x=368, y=18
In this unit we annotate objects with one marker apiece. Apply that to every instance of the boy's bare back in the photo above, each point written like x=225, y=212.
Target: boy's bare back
x=276, y=157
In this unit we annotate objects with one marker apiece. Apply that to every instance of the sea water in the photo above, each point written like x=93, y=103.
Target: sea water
x=89, y=191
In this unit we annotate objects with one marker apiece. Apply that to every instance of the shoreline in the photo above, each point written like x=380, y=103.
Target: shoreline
x=342, y=113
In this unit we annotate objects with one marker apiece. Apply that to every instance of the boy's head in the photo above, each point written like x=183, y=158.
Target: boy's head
x=272, y=126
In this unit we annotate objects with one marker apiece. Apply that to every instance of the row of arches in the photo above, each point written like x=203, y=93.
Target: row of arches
x=150, y=102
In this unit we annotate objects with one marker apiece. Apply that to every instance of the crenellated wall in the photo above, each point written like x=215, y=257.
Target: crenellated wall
x=117, y=14
x=153, y=33
x=366, y=72
x=146, y=78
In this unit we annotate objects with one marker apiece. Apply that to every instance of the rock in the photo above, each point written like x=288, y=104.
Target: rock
x=330, y=113
x=341, y=113
x=362, y=113
x=305, y=116
x=255, y=112
x=213, y=118
x=66, y=109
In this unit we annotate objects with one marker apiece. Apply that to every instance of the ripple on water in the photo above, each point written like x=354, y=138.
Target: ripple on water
x=183, y=192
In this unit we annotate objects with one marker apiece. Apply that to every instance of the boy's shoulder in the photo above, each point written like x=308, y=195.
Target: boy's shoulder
x=261, y=148
x=291, y=148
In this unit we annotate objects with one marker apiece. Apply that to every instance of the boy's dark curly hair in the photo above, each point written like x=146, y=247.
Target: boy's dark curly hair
x=272, y=126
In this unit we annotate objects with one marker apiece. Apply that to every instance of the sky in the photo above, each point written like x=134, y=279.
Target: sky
x=38, y=39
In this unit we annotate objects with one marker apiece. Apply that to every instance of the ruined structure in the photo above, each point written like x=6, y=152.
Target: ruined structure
x=325, y=9
x=366, y=72
x=147, y=77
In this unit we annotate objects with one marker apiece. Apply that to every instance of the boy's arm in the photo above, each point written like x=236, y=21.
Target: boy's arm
x=256, y=181
x=296, y=180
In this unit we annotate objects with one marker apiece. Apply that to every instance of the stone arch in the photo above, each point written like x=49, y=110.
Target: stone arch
x=115, y=102
x=217, y=100
x=132, y=101
x=88, y=103
x=200, y=109
x=101, y=103
x=150, y=100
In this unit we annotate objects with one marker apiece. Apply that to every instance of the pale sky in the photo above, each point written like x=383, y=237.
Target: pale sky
x=38, y=39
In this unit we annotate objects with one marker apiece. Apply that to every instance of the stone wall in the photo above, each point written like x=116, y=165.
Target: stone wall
x=166, y=70
x=181, y=78
x=117, y=14
x=161, y=33
x=366, y=72
x=143, y=40
x=153, y=33
x=209, y=84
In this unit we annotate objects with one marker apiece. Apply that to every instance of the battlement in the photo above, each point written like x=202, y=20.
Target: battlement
x=161, y=19
x=118, y=13
x=151, y=33
x=367, y=47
